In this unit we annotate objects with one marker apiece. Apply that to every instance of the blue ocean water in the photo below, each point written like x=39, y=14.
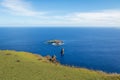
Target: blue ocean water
x=93, y=48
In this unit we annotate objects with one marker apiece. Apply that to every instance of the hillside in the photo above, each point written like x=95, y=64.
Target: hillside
x=27, y=66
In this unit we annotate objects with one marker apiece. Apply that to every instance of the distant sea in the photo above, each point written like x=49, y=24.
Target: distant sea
x=92, y=48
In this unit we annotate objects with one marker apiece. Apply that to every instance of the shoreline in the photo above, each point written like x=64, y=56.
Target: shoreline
x=28, y=66
x=40, y=57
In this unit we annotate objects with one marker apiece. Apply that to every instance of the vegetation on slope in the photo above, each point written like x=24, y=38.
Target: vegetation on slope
x=27, y=66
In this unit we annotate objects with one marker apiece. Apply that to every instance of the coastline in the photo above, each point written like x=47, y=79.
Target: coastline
x=47, y=57
x=29, y=61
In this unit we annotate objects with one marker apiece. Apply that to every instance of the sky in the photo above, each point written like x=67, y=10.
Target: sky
x=80, y=13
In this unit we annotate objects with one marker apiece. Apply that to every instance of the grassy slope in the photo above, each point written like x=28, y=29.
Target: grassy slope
x=30, y=68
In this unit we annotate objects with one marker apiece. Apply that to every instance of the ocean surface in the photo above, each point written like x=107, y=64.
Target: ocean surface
x=92, y=48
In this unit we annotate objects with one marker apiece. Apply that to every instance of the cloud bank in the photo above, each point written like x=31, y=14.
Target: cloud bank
x=98, y=18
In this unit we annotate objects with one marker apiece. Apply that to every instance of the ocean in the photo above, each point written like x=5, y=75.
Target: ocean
x=92, y=48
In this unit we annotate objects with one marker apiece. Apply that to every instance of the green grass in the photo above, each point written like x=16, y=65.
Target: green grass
x=27, y=66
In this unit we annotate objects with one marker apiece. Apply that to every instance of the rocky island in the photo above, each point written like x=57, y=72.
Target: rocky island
x=56, y=42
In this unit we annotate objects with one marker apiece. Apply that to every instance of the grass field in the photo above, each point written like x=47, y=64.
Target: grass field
x=27, y=66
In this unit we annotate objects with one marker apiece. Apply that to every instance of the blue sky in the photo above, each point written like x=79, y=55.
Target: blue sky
x=81, y=13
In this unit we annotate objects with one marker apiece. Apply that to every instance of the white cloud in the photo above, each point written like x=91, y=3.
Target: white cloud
x=98, y=18
x=105, y=18
x=19, y=7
